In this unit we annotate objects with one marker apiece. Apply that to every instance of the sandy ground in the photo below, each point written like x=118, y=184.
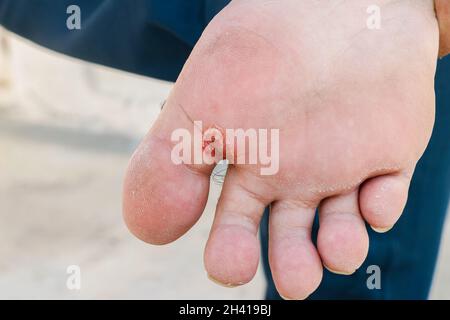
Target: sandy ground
x=67, y=130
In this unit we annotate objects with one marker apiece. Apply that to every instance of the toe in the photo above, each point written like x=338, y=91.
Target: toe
x=294, y=261
x=162, y=199
x=382, y=200
x=232, y=251
x=342, y=240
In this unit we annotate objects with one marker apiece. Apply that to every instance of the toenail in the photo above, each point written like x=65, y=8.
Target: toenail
x=226, y=285
x=381, y=230
x=342, y=273
x=290, y=299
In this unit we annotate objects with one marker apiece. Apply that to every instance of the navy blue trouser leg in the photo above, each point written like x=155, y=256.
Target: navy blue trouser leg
x=407, y=254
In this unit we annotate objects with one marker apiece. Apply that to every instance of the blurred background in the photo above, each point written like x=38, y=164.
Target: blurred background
x=67, y=130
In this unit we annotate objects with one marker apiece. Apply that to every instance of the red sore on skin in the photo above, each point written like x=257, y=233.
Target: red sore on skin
x=207, y=143
x=209, y=140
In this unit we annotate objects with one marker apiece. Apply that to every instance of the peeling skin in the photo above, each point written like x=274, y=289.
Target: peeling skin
x=344, y=188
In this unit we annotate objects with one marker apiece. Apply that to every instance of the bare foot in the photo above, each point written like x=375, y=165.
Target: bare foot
x=354, y=108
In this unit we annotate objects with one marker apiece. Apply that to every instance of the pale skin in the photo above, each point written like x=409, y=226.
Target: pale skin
x=355, y=109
